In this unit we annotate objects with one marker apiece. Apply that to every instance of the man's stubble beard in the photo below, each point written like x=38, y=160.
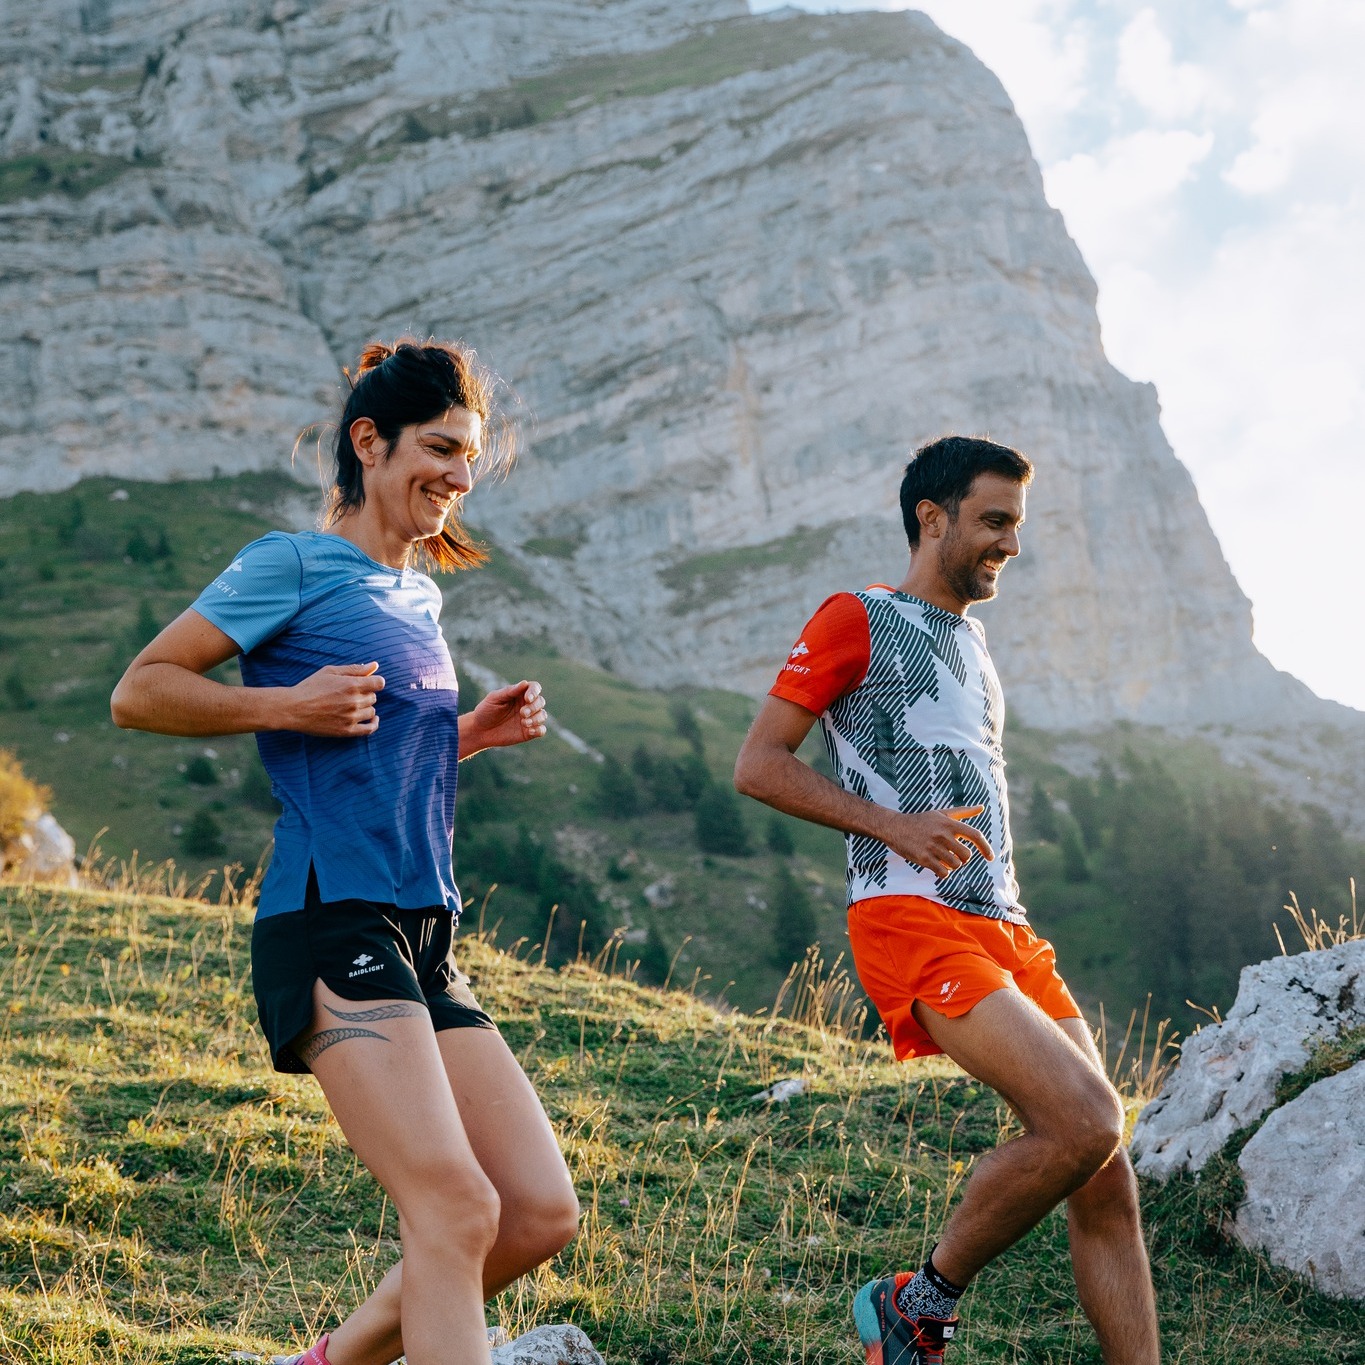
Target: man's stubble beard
x=967, y=579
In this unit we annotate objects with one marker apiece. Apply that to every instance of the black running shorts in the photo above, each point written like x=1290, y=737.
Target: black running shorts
x=362, y=950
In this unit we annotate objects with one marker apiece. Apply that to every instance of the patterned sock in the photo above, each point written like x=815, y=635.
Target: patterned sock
x=928, y=1294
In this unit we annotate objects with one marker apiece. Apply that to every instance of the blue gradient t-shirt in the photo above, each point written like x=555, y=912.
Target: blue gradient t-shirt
x=373, y=814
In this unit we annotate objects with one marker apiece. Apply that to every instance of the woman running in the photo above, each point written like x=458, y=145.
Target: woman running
x=350, y=689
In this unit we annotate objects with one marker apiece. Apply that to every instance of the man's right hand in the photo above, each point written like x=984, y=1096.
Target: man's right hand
x=336, y=702
x=938, y=840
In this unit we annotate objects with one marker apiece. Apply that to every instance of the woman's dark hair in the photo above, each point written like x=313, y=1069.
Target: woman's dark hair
x=944, y=470
x=410, y=382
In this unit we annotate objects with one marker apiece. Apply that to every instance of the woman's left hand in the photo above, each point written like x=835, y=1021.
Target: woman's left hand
x=509, y=715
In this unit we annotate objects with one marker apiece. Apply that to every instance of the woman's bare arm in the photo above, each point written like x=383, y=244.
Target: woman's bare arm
x=164, y=690
x=510, y=715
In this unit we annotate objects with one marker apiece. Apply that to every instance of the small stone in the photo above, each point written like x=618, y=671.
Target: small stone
x=781, y=1091
x=556, y=1344
x=43, y=852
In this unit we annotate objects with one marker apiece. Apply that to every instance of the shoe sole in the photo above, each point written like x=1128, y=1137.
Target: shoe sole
x=866, y=1321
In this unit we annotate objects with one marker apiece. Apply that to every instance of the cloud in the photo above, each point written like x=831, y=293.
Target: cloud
x=1148, y=72
x=1119, y=201
x=1209, y=160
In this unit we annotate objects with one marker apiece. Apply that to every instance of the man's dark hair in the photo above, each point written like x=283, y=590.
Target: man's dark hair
x=944, y=470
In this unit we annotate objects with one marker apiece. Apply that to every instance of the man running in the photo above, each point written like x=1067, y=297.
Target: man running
x=913, y=718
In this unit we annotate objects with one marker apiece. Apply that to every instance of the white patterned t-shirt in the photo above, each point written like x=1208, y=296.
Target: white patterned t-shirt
x=913, y=718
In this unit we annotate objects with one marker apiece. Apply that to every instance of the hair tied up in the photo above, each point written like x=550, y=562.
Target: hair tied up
x=424, y=380
x=372, y=357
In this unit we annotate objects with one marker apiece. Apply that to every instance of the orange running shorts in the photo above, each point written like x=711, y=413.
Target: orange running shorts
x=907, y=948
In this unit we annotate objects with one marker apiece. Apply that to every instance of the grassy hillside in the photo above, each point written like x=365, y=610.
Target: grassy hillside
x=156, y=1179
x=1162, y=872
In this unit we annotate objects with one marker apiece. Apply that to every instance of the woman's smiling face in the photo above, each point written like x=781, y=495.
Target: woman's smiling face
x=415, y=485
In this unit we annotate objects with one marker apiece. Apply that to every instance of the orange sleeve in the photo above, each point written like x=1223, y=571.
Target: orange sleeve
x=830, y=658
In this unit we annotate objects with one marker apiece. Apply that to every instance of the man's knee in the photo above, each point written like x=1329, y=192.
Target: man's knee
x=1086, y=1129
x=1099, y=1128
x=1110, y=1193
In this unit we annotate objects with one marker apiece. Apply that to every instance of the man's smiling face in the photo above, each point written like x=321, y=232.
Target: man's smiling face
x=981, y=537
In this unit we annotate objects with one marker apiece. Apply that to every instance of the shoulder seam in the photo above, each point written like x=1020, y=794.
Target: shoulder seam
x=293, y=545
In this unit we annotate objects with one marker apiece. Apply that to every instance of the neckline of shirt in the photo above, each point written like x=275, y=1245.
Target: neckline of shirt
x=331, y=536
x=951, y=616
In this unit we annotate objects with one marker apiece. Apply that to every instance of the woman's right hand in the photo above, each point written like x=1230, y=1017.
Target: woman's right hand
x=336, y=702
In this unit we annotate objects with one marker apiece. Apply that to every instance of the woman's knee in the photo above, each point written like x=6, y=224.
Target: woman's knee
x=542, y=1223
x=557, y=1222
x=453, y=1207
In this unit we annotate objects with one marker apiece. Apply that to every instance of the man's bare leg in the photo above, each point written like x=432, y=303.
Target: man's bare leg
x=1073, y=1127
x=1108, y=1255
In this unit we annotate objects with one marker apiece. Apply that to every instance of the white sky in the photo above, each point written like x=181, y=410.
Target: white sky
x=1209, y=158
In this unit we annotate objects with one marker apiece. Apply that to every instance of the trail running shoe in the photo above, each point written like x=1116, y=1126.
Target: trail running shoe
x=314, y=1355
x=888, y=1336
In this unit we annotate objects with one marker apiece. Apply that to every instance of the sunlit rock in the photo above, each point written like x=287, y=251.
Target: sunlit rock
x=1305, y=1185
x=1227, y=1073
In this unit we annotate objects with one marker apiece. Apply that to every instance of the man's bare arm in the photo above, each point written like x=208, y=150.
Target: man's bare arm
x=768, y=770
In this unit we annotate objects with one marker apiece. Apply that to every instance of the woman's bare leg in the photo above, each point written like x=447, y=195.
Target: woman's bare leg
x=381, y=1069
x=517, y=1150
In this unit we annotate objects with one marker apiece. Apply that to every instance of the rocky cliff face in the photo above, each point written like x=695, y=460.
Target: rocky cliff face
x=735, y=267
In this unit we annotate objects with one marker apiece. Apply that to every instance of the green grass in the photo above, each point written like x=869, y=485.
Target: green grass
x=70, y=599
x=701, y=578
x=117, y=81
x=156, y=1176
x=60, y=172
x=72, y=595
x=556, y=547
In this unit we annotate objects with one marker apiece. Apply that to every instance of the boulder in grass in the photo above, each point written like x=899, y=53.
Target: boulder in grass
x=43, y=852
x=556, y=1344
x=1227, y=1073
x=1305, y=1185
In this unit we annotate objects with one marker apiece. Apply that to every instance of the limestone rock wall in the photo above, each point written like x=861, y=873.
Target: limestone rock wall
x=735, y=268
x=1278, y=1085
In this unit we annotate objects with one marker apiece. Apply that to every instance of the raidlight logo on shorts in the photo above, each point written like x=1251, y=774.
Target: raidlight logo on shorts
x=948, y=990
x=363, y=964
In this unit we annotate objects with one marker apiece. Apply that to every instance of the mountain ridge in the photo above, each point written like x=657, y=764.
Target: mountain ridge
x=771, y=254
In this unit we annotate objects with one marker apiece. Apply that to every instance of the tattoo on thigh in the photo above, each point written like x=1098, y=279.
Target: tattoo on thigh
x=397, y=1010
x=330, y=1037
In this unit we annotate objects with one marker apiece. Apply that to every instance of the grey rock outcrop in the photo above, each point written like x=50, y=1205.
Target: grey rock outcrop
x=735, y=266
x=1305, y=1185
x=42, y=852
x=557, y=1344
x=1227, y=1073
